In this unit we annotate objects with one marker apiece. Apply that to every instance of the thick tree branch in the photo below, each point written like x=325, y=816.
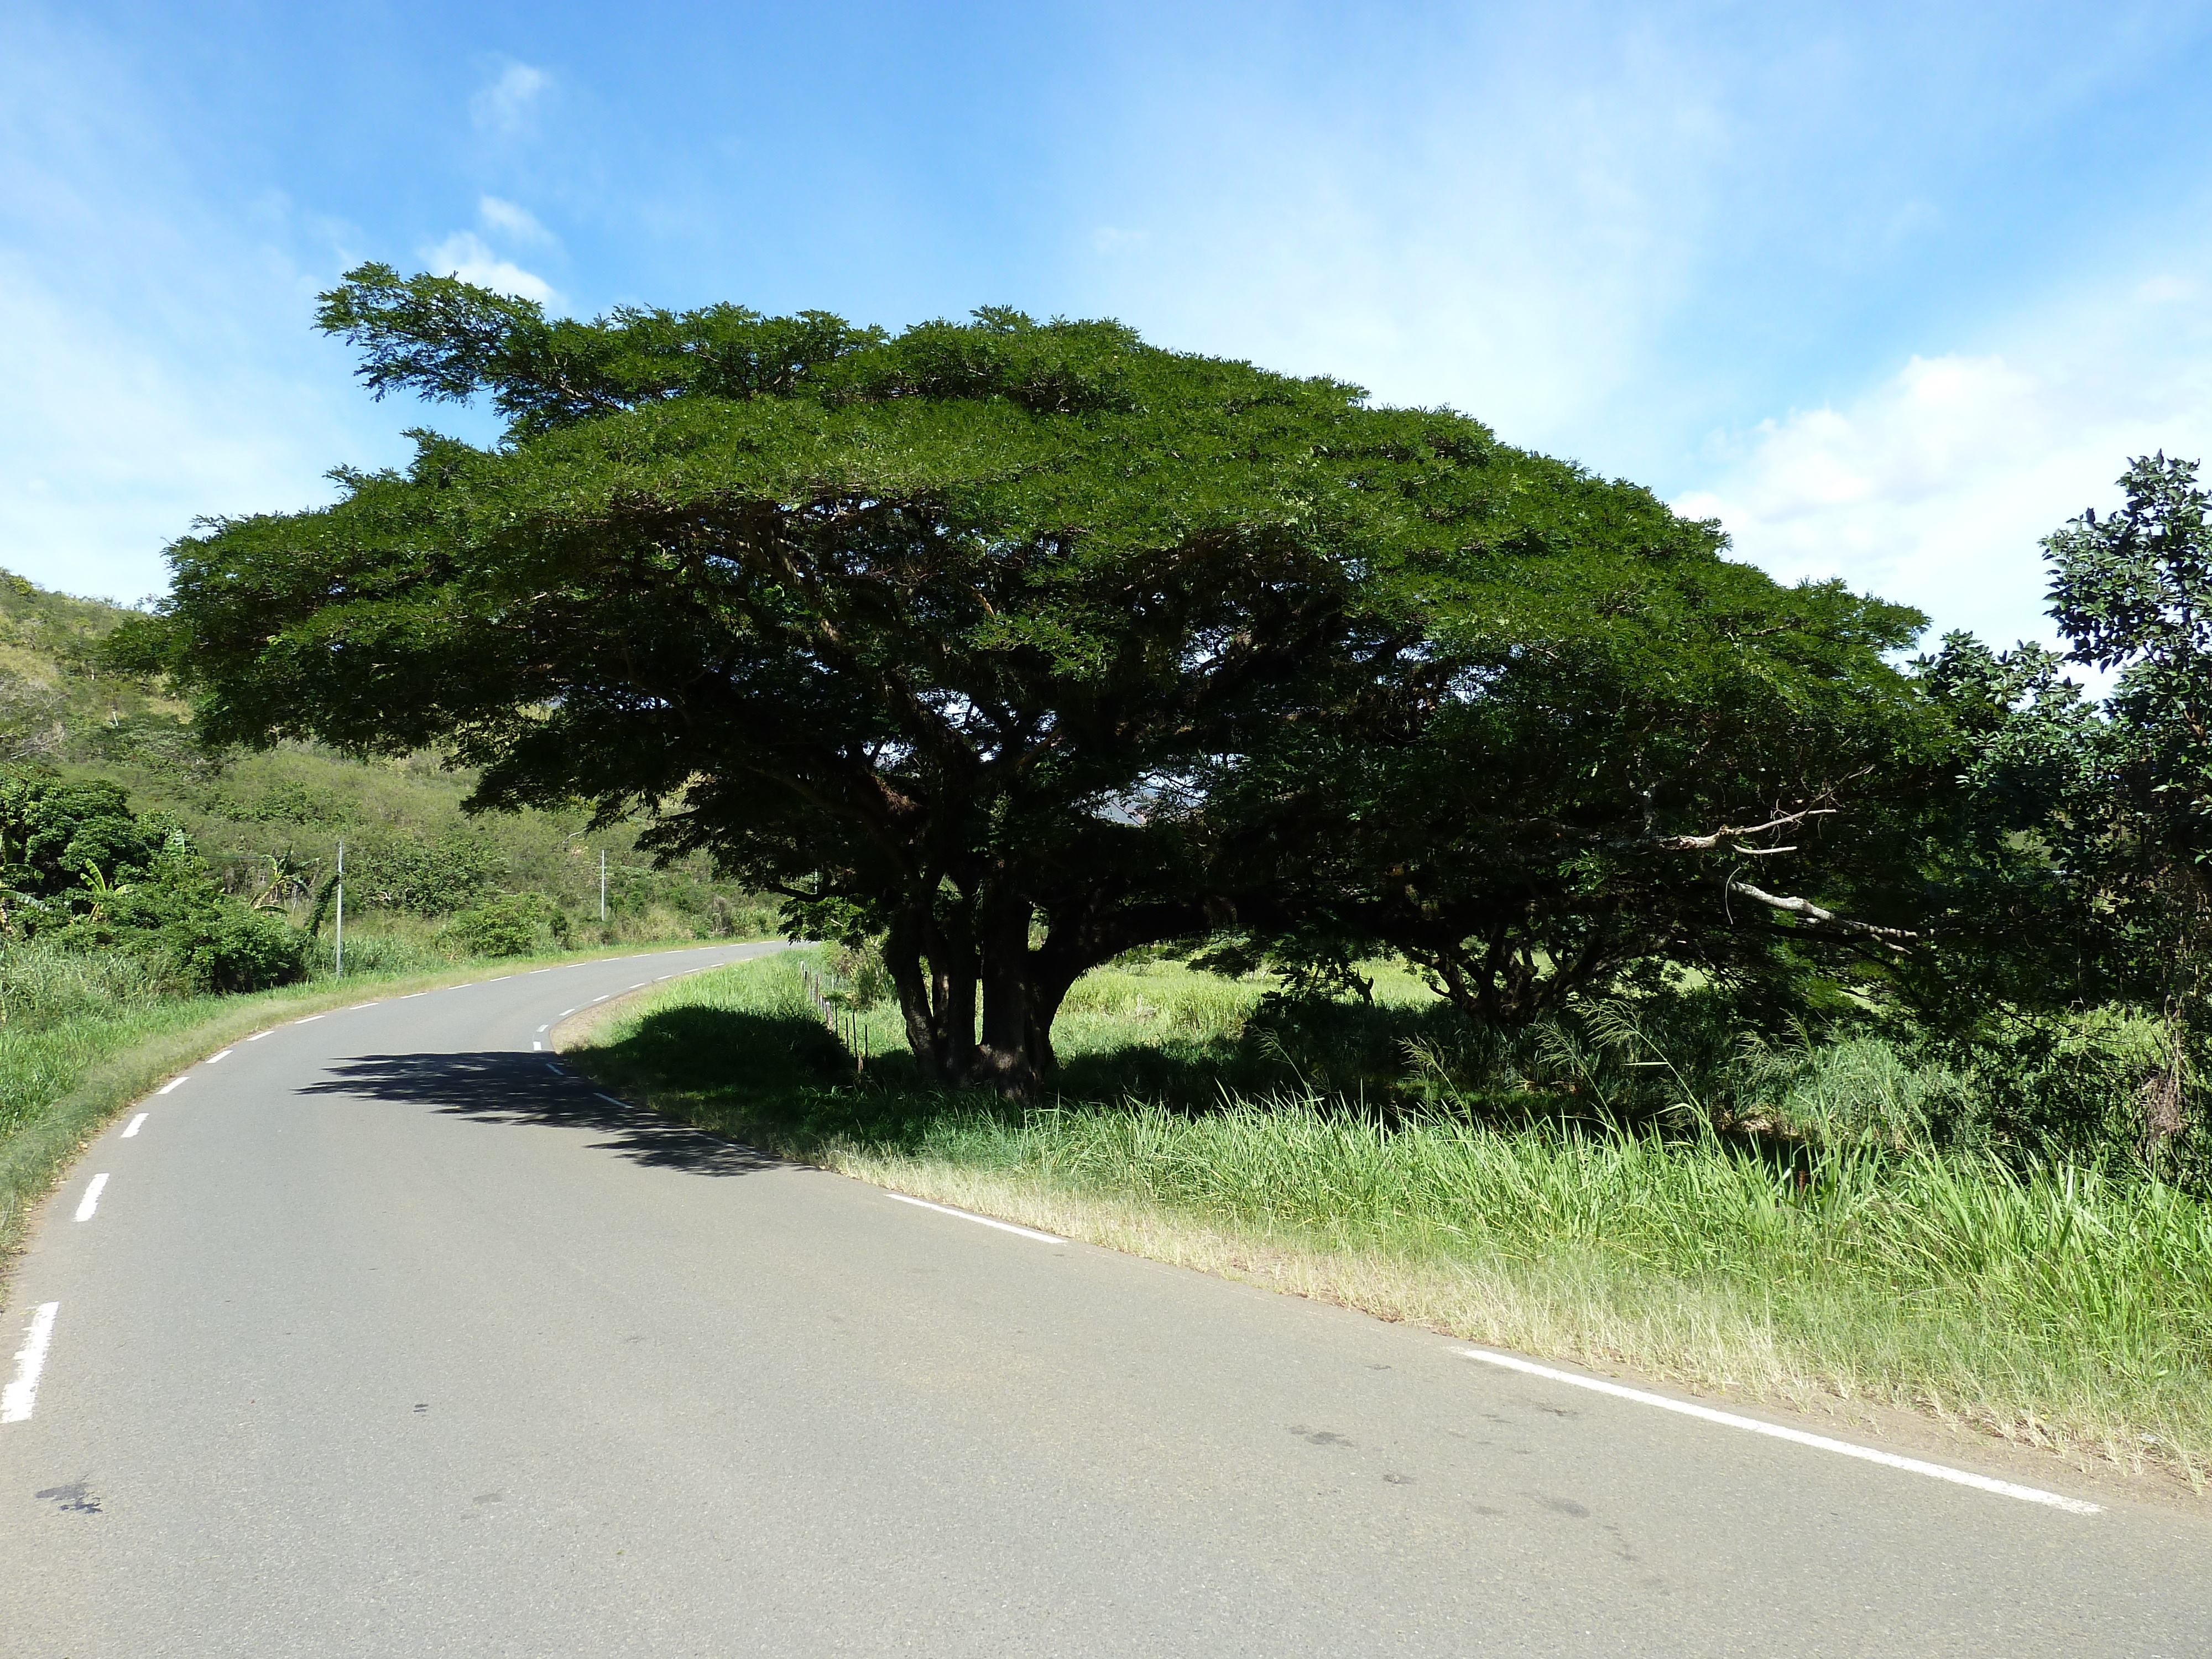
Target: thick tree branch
x=1706, y=843
x=1813, y=913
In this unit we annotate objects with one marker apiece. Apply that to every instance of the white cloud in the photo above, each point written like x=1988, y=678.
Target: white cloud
x=1935, y=487
x=505, y=105
x=463, y=255
x=505, y=218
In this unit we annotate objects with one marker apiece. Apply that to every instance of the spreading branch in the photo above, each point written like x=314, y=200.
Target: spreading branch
x=1732, y=838
x=1892, y=937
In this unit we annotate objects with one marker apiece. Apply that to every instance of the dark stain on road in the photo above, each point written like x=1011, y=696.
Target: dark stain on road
x=74, y=1498
x=1565, y=1506
x=1319, y=1436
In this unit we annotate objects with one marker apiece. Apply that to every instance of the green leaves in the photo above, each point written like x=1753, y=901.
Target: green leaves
x=1025, y=642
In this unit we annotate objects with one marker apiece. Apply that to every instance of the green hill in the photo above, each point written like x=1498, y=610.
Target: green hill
x=268, y=824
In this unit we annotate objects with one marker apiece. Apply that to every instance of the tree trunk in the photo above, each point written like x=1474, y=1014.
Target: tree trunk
x=939, y=969
x=935, y=977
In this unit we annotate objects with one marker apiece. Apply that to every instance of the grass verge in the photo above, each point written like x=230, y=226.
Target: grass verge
x=2054, y=1308
x=61, y=1084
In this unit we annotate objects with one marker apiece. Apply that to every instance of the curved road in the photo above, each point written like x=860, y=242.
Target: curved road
x=381, y=1339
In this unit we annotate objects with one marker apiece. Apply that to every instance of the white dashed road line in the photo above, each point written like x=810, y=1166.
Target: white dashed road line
x=1796, y=1437
x=225, y=1054
x=170, y=1084
x=91, y=1199
x=257, y=1036
x=20, y=1395
x=136, y=1124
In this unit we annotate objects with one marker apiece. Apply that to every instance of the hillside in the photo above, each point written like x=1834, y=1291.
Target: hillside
x=269, y=823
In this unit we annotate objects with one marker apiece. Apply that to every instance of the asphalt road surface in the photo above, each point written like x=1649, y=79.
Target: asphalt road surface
x=380, y=1338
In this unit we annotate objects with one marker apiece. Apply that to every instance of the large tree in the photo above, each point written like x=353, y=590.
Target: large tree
x=1002, y=639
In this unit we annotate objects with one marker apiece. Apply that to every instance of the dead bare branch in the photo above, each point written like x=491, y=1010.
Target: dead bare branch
x=1725, y=834
x=1813, y=913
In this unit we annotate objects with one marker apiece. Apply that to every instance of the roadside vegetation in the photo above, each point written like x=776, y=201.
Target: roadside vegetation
x=155, y=892
x=1241, y=807
x=1964, y=1233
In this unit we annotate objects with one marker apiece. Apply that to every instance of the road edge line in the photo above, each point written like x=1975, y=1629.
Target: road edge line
x=981, y=1220
x=1778, y=1431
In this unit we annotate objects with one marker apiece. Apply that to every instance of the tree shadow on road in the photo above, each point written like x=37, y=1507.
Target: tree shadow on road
x=521, y=1090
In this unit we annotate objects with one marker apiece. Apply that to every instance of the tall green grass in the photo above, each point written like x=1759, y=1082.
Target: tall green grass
x=1842, y=1248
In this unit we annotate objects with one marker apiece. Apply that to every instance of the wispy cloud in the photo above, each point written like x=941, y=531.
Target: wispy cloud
x=1935, y=486
x=159, y=357
x=507, y=103
x=519, y=223
x=463, y=255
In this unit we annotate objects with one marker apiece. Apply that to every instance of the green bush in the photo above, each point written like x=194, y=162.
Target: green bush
x=227, y=947
x=505, y=926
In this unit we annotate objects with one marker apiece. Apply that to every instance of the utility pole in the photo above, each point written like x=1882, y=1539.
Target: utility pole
x=339, y=953
x=603, y=884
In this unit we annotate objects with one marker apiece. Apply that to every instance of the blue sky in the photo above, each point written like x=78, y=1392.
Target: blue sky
x=1891, y=290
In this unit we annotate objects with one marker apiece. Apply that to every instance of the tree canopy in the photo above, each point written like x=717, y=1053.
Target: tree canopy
x=1021, y=644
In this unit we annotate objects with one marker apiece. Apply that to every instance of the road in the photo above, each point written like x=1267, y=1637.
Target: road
x=381, y=1339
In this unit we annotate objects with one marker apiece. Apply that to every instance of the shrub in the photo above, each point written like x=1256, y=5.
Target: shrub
x=505, y=926
x=227, y=947
x=858, y=971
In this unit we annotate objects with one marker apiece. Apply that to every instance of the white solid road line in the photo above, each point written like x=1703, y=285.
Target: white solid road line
x=988, y=1221
x=91, y=1201
x=170, y=1084
x=135, y=1124
x=1796, y=1437
x=18, y=1397
x=211, y=1059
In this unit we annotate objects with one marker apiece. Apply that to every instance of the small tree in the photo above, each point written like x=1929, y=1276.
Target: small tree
x=2133, y=591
